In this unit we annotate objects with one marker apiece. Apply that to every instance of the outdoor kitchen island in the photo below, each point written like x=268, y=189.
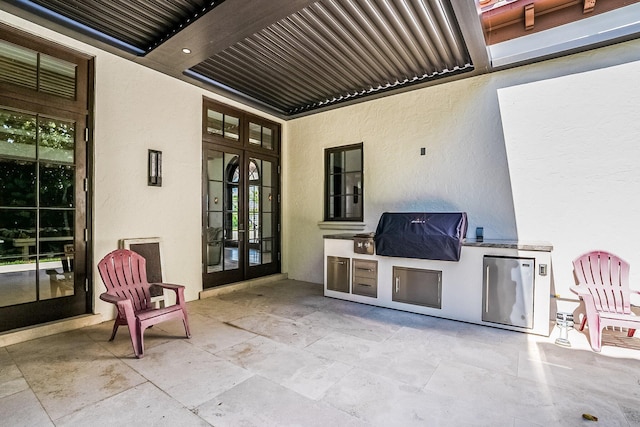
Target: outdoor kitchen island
x=503, y=284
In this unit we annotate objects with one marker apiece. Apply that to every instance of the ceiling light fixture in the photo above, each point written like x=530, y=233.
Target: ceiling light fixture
x=186, y=50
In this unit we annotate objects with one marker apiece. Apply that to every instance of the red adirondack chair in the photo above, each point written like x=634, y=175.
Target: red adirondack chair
x=125, y=276
x=603, y=285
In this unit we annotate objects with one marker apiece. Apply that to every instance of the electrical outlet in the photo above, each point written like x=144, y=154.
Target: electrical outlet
x=543, y=269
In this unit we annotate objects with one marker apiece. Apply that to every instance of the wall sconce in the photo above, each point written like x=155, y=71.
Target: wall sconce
x=155, y=168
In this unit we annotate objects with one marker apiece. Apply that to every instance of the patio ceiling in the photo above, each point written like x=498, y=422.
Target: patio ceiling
x=296, y=57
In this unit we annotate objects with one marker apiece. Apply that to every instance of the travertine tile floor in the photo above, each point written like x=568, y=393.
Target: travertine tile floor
x=283, y=355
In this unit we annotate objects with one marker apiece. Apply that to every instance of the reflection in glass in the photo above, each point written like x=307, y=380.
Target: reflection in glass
x=18, y=233
x=17, y=281
x=215, y=196
x=267, y=228
x=255, y=134
x=343, y=175
x=352, y=209
x=232, y=211
x=57, y=140
x=56, y=230
x=267, y=139
x=266, y=173
x=19, y=65
x=17, y=260
x=232, y=128
x=267, y=251
x=215, y=122
x=267, y=200
x=214, y=166
x=353, y=160
x=56, y=273
x=17, y=134
x=215, y=235
x=57, y=185
x=18, y=184
x=57, y=77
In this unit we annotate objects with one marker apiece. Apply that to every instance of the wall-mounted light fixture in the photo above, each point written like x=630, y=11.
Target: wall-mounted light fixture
x=155, y=168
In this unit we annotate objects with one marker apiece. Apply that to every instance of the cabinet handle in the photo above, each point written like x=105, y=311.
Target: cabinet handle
x=364, y=284
x=365, y=269
x=486, y=291
x=339, y=262
x=397, y=284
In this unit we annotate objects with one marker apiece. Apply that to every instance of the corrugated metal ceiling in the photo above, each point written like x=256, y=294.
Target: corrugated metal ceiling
x=291, y=58
x=316, y=55
x=337, y=50
x=144, y=24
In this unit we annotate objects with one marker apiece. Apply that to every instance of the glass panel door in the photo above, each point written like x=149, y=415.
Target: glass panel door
x=224, y=226
x=261, y=211
x=38, y=218
x=240, y=225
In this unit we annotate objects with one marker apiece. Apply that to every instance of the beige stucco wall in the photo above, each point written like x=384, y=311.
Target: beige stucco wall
x=137, y=109
x=542, y=152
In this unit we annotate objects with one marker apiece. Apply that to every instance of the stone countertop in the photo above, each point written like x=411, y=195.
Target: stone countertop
x=507, y=244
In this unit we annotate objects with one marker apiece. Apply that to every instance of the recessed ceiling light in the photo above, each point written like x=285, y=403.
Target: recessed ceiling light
x=186, y=50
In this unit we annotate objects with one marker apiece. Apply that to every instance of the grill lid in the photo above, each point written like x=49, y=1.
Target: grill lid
x=437, y=236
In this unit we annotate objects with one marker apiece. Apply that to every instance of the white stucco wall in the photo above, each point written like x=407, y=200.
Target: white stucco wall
x=137, y=109
x=573, y=154
x=499, y=147
x=542, y=152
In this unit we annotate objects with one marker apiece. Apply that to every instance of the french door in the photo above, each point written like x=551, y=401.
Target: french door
x=45, y=104
x=241, y=202
x=241, y=216
x=42, y=217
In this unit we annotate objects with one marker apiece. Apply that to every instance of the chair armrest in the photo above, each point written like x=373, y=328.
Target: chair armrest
x=178, y=289
x=168, y=286
x=580, y=290
x=113, y=299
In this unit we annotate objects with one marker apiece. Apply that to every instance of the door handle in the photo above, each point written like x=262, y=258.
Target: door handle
x=240, y=231
x=486, y=292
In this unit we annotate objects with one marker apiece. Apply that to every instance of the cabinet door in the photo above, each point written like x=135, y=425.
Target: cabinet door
x=507, y=294
x=338, y=274
x=417, y=286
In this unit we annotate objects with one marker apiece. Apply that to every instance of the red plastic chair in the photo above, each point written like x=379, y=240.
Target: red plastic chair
x=125, y=276
x=603, y=285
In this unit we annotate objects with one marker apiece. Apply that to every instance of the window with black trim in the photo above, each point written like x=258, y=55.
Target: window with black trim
x=344, y=190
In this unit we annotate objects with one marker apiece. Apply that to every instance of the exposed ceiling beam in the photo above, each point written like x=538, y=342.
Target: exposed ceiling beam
x=230, y=22
x=471, y=27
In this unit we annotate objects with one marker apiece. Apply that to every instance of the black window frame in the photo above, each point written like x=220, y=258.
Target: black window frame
x=357, y=196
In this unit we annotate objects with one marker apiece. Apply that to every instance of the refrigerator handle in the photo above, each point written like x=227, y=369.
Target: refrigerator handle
x=486, y=290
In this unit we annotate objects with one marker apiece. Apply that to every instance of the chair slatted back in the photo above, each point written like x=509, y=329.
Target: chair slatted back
x=124, y=274
x=607, y=278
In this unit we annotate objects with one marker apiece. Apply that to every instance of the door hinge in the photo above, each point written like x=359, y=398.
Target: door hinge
x=278, y=256
x=278, y=198
x=86, y=134
x=86, y=234
x=278, y=228
x=86, y=284
x=278, y=169
x=85, y=183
